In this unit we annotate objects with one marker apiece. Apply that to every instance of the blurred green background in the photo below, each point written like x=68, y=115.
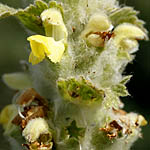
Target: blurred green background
x=13, y=48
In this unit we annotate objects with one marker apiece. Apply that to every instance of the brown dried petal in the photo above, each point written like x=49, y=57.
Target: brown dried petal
x=114, y=124
x=29, y=113
x=112, y=135
x=35, y=112
x=28, y=96
x=17, y=120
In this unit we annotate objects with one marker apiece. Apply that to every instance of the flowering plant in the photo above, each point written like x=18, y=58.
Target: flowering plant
x=69, y=95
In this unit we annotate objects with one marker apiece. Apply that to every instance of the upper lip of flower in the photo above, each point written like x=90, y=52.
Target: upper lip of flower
x=53, y=44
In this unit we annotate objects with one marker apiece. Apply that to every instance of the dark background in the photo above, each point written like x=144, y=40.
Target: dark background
x=13, y=49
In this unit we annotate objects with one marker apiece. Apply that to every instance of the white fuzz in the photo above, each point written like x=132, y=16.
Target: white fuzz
x=35, y=128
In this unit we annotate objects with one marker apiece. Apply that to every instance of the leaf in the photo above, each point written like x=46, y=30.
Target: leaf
x=111, y=100
x=79, y=91
x=126, y=79
x=17, y=81
x=6, y=11
x=128, y=15
x=120, y=90
x=47, y=1
x=30, y=16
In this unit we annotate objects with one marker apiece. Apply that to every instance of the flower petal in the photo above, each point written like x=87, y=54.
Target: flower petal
x=7, y=114
x=128, y=31
x=54, y=25
x=57, y=49
x=45, y=46
x=97, y=23
x=39, y=45
x=35, y=60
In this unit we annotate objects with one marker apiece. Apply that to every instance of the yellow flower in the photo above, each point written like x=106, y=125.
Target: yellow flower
x=43, y=46
x=7, y=114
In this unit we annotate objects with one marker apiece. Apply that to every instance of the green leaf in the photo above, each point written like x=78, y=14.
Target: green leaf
x=17, y=81
x=29, y=16
x=126, y=14
x=47, y=1
x=111, y=100
x=126, y=79
x=80, y=91
x=120, y=90
x=6, y=11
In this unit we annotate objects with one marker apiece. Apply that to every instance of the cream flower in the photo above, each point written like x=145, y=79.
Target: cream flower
x=97, y=24
x=54, y=25
x=126, y=36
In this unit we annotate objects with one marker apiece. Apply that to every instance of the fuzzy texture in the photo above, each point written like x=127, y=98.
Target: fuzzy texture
x=83, y=110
